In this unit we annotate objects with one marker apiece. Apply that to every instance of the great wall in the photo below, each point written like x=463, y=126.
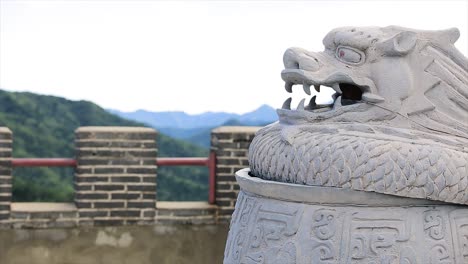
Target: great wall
x=116, y=215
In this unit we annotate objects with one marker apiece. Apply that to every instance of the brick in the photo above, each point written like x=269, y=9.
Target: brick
x=93, y=214
x=223, y=186
x=5, y=189
x=129, y=161
x=149, y=145
x=224, y=203
x=81, y=170
x=244, y=162
x=149, y=196
x=111, y=170
x=230, y=178
x=239, y=153
x=6, y=135
x=111, y=135
x=68, y=214
x=224, y=170
x=150, y=161
x=90, y=161
x=226, y=211
x=142, y=170
x=5, y=164
x=125, y=213
x=126, y=179
x=143, y=188
x=244, y=145
x=141, y=204
x=108, y=187
x=228, y=161
x=6, y=180
x=80, y=179
x=80, y=205
x=116, y=153
x=5, y=154
x=151, y=179
x=149, y=213
x=224, y=146
x=91, y=196
x=5, y=198
x=221, y=136
x=125, y=196
x=7, y=145
x=109, y=204
x=4, y=215
x=227, y=194
x=83, y=187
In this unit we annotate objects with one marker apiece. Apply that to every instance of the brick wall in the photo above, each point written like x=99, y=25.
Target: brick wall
x=231, y=145
x=5, y=172
x=115, y=181
x=115, y=178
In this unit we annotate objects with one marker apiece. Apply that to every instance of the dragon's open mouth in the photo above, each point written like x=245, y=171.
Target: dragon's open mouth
x=345, y=94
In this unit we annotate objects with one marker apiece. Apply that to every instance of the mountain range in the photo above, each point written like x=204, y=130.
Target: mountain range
x=196, y=128
x=43, y=126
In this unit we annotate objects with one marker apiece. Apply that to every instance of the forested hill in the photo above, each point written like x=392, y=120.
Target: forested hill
x=43, y=126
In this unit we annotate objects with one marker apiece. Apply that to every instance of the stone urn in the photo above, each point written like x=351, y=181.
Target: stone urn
x=377, y=176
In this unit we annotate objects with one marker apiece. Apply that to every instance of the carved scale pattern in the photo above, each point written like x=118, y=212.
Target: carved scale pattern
x=359, y=163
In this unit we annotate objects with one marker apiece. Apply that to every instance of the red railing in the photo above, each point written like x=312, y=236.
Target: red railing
x=209, y=162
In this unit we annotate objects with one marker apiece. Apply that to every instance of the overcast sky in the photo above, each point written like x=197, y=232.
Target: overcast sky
x=193, y=56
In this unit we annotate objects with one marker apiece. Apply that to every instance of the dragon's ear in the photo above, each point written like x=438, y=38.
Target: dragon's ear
x=400, y=44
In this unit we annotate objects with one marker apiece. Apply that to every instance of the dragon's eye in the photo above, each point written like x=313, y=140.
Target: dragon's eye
x=349, y=55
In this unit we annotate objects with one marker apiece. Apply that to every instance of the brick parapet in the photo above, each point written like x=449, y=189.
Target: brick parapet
x=6, y=142
x=115, y=177
x=115, y=182
x=231, y=145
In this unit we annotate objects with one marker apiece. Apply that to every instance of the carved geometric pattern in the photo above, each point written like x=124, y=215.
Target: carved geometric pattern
x=270, y=231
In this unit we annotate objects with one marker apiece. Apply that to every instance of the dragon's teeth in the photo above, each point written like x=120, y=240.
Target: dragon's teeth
x=287, y=104
x=288, y=86
x=335, y=95
x=337, y=103
x=300, y=106
x=373, y=98
x=337, y=88
x=312, y=103
x=317, y=88
x=306, y=88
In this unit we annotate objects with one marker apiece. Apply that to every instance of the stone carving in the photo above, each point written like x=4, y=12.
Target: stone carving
x=279, y=231
x=380, y=175
x=398, y=123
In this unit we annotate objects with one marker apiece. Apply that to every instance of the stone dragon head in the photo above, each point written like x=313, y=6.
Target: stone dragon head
x=399, y=76
x=398, y=123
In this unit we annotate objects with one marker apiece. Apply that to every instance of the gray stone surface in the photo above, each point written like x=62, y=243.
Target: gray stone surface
x=164, y=244
x=398, y=124
x=380, y=175
x=271, y=230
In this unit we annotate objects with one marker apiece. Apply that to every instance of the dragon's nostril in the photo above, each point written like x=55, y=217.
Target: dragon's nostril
x=300, y=59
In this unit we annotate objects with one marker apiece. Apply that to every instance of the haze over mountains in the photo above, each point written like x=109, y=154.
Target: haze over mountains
x=183, y=120
x=196, y=128
x=43, y=126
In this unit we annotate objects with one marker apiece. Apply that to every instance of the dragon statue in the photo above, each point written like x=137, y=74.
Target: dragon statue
x=398, y=123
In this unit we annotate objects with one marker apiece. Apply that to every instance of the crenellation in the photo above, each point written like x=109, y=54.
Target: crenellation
x=116, y=178
x=6, y=180
x=231, y=147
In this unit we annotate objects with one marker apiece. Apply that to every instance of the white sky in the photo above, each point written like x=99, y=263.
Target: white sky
x=193, y=56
